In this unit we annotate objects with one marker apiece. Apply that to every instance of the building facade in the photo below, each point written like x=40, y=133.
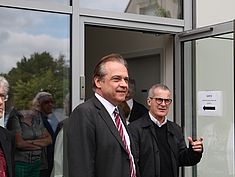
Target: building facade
x=53, y=45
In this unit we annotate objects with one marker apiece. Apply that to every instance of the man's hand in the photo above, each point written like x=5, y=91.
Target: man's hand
x=197, y=145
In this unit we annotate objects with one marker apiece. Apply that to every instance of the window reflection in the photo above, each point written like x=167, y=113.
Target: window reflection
x=160, y=8
x=35, y=57
x=219, y=144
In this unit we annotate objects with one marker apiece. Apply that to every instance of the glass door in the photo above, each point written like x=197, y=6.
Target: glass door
x=206, y=74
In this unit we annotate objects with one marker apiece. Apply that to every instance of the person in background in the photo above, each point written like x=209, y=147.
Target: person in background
x=132, y=109
x=7, y=142
x=31, y=137
x=60, y=168
x=53, y=121
x=95, y=146
x=160, y=143
x=43, y=106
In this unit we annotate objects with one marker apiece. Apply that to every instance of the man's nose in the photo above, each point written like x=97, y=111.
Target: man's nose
x=163, y=103
x=1, y=100
x=124, y=83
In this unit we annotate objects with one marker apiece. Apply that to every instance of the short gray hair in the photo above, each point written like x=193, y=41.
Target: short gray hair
x=4, y=84
x=155, y=86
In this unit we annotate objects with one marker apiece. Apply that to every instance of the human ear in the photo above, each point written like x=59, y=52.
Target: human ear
x=148, y=101
x=97, y=82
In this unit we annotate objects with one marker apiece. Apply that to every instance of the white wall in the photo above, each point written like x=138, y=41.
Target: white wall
x=214, y=11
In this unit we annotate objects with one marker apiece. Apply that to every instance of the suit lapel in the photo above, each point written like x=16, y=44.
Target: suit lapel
x=148, y=123
x=108, y=120
x=132, y=111
x=171, y=141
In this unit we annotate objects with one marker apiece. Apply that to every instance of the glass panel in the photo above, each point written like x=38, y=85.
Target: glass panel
x=160, y=8
x=215, y=108
x=214, y=76
x=35, y=57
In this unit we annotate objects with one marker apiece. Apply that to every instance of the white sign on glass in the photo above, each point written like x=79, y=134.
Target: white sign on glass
x=210, y=103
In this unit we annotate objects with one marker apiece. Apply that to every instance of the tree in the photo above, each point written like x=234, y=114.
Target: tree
x=40, y=72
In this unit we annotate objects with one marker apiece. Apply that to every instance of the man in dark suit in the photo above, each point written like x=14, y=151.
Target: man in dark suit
x=160, y=143
x=137, y=111
x=95, y=147
x=6, y=139
x=133, y=110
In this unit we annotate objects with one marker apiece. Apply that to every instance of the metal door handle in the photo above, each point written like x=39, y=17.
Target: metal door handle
x=82, y=87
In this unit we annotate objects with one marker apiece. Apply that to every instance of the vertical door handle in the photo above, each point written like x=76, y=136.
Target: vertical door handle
x=82, y=87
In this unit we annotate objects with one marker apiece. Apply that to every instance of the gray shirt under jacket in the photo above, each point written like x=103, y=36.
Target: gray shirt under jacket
x=28, y=132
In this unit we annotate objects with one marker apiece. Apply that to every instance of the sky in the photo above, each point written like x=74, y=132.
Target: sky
x=23, y=32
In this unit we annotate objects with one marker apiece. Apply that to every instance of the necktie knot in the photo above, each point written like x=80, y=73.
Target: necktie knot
x=116, y=111
x=117, y=120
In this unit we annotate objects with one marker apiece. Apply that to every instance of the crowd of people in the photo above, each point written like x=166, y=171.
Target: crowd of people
x=109, y=135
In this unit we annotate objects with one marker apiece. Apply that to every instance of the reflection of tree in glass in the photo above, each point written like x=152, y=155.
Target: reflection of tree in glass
x=40, y=72
x=160, y=11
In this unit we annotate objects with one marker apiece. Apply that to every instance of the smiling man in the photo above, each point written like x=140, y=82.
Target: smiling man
x=99, y=144
x=6, y=140
x=161, y=148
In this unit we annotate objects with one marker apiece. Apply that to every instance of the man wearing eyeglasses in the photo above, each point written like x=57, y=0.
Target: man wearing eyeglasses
x=6, y=139
x=161, y=147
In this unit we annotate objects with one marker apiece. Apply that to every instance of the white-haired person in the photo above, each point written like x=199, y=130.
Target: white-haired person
x=43, y=107
x=6, y=139
x=32, y=138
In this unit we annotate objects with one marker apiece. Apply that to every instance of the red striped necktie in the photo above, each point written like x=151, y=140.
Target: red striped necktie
x=120, y=128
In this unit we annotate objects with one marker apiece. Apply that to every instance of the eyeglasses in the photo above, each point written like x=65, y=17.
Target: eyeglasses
x=4, y=97
x=160, y=100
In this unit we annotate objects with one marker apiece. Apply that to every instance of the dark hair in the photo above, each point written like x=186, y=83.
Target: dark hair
x=100, y=72
x=131, y=84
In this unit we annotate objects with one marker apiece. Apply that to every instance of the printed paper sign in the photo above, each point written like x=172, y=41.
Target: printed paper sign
x=210, y=103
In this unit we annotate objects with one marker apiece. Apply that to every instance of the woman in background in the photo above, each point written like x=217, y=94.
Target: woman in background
x=31, y=137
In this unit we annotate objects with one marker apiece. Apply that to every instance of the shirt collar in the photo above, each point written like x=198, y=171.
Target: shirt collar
x=130, y=103
x=108, y=106
x=156, y=121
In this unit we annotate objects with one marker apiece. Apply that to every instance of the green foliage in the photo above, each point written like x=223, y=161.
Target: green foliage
x=159, y=10
x=40, y=72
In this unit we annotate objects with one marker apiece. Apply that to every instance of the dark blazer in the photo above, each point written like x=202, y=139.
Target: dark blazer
x=144, y=135
x=95, y=148
x=8, y=145
x=138, y=110
x=50, y=147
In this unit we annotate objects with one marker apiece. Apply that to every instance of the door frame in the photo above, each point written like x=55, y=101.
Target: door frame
x=180, y=38
x=179, y=78
x=113, y=20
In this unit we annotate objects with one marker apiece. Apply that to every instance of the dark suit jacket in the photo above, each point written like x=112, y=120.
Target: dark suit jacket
x=95, y=148
x=144, y=135
x=138, y=110
x=8, y=145
x=50, y=147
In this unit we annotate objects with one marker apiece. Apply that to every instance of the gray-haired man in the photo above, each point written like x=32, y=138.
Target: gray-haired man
x=6, y=139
